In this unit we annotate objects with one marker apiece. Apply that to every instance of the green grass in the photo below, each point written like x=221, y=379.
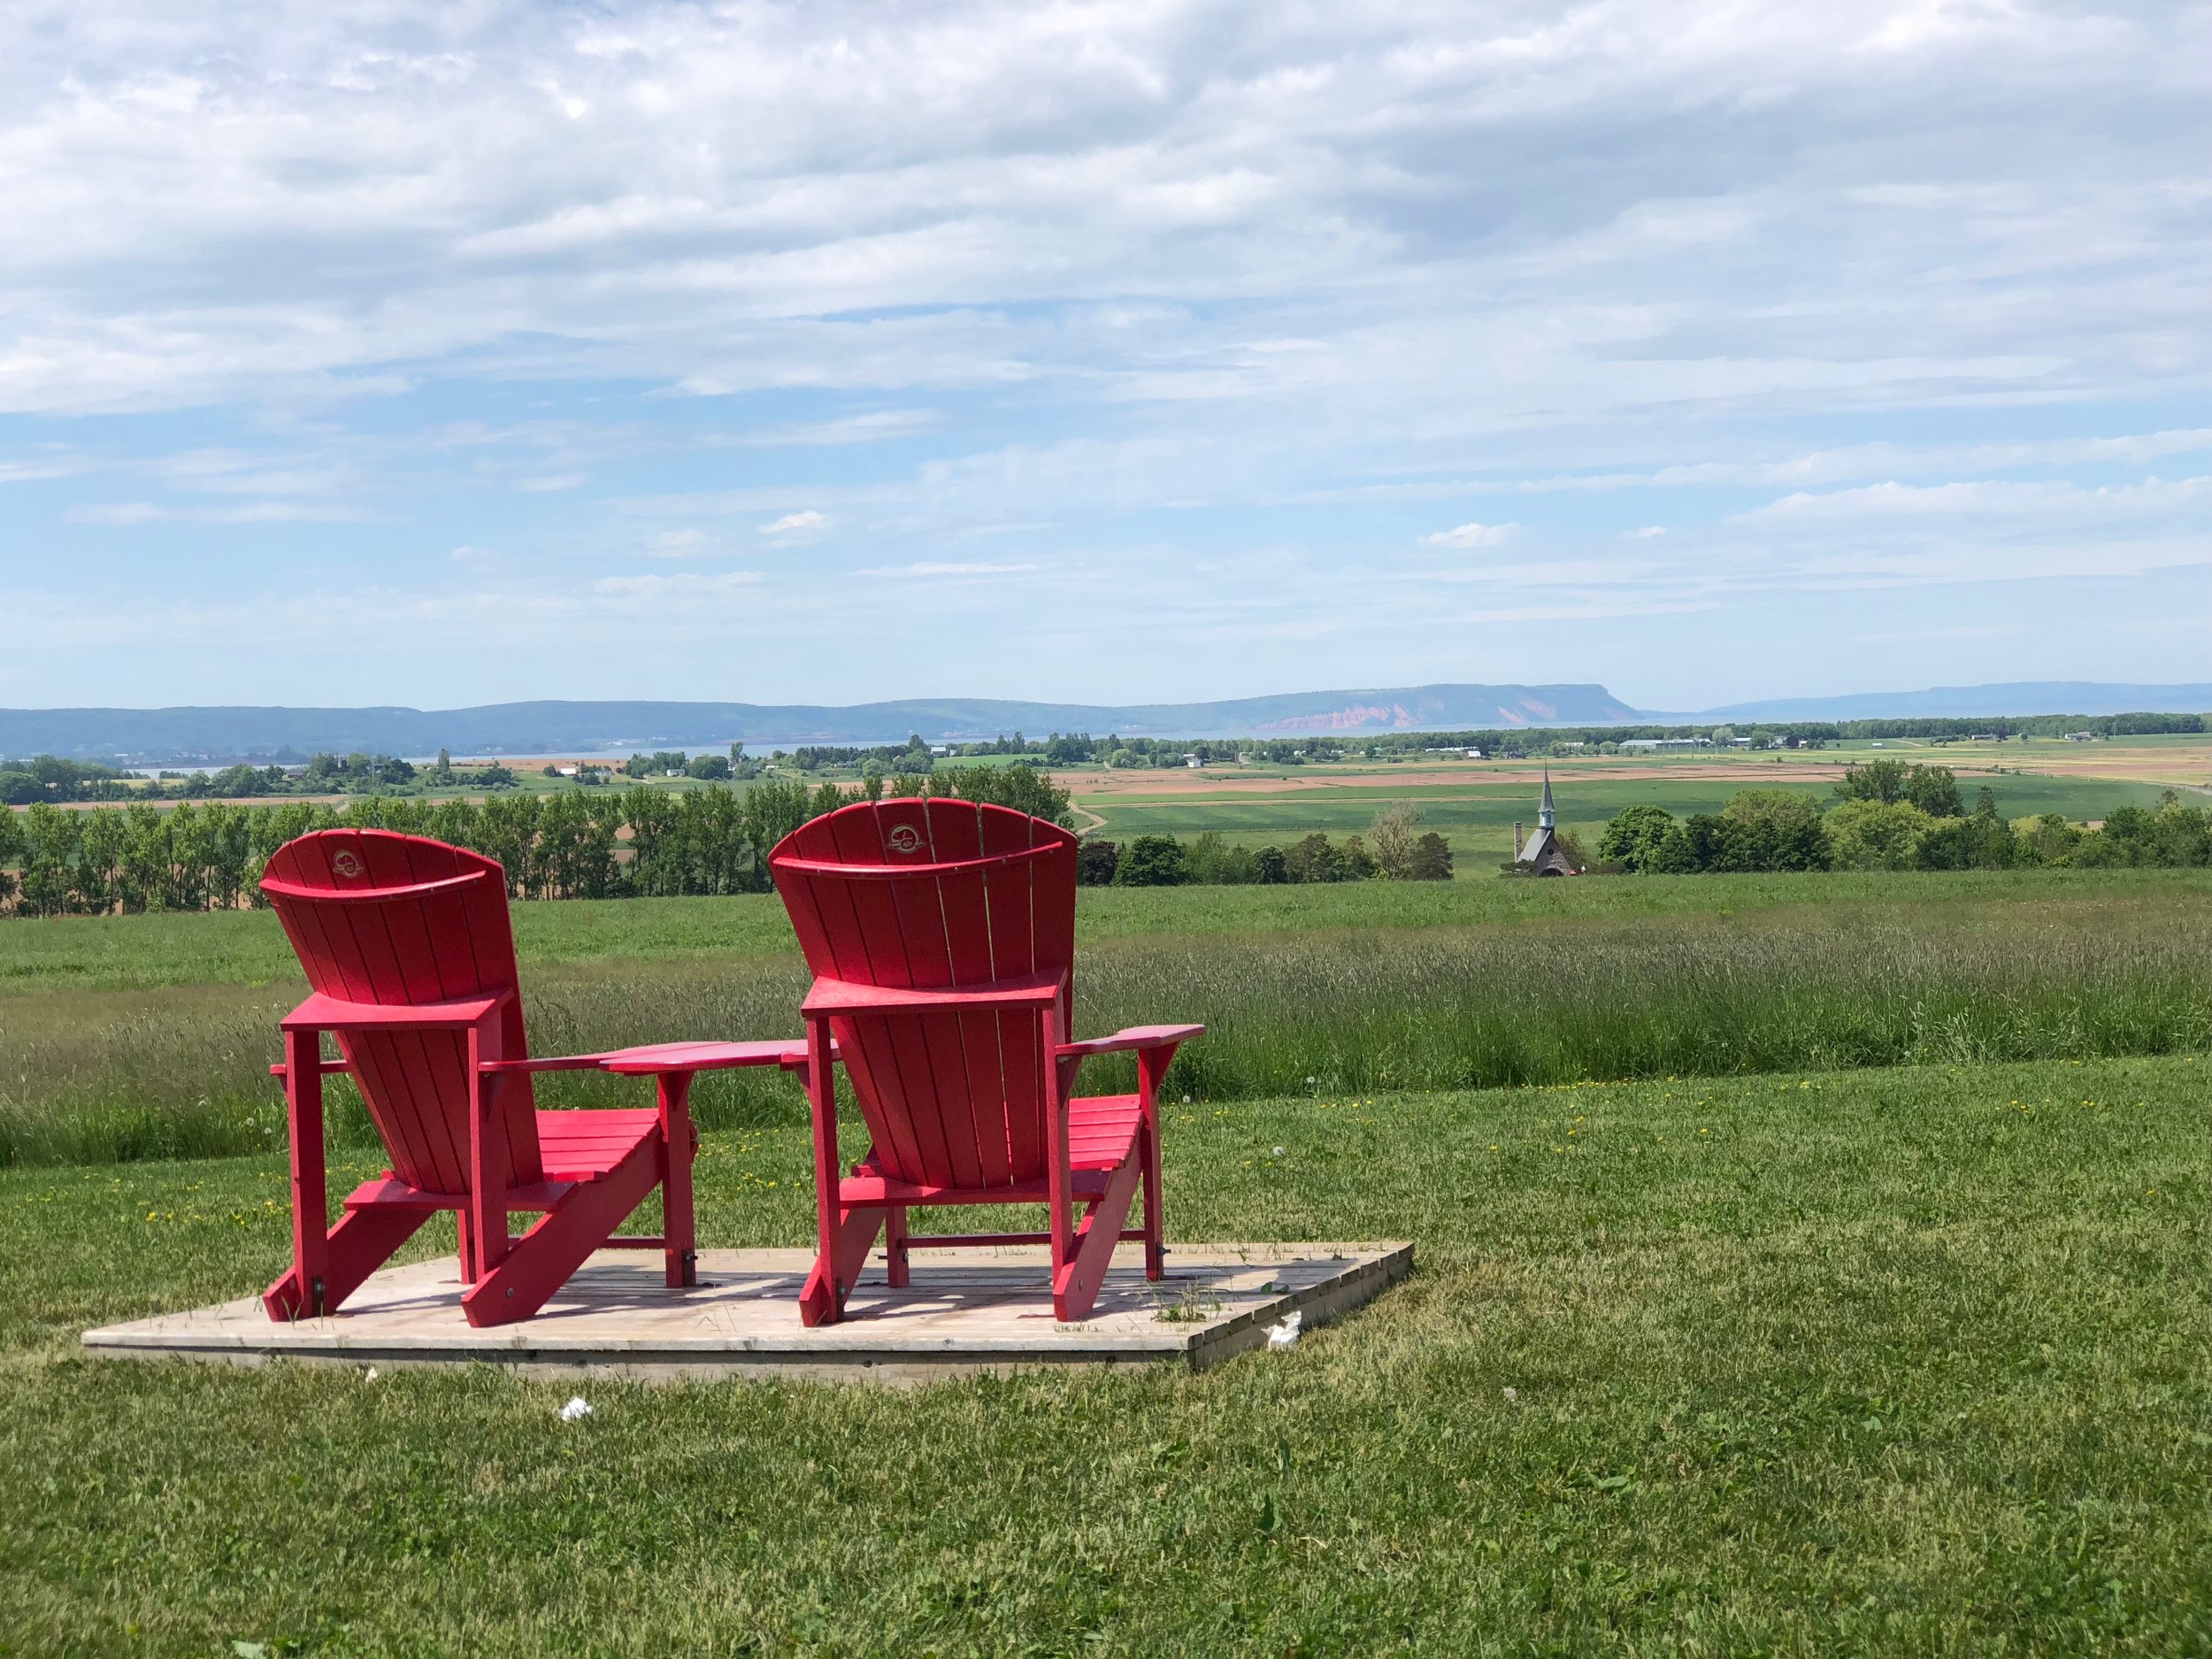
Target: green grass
x=1374, y=985
x=1900, y=1361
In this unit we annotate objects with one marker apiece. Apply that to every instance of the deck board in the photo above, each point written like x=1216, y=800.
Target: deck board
x=979, y=1310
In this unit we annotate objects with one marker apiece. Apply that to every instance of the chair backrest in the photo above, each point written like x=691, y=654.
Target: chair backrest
x=399, y=920
x=927, y=893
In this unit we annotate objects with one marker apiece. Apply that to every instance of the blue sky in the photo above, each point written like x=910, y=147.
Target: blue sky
x=399, y=354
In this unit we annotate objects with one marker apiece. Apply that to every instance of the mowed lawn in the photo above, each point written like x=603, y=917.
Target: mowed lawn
x=1914, y=1360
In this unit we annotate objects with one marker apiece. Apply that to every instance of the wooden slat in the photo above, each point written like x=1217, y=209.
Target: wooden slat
x=902, y=1111
x=1013, y=956
x=957, y=834
x=920, y=905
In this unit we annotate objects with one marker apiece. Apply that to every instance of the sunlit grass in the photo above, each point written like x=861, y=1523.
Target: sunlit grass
x=1897, y=1362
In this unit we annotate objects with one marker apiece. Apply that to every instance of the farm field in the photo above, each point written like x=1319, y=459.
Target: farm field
x=1899, y=1361
x=1476, y=804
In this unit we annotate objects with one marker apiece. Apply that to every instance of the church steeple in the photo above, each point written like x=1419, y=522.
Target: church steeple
x=1546, y=818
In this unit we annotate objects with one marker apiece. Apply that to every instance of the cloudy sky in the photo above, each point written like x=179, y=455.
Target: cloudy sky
x=441, y=353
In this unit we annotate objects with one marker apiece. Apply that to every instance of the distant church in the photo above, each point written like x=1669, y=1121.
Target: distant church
x=1542, y=853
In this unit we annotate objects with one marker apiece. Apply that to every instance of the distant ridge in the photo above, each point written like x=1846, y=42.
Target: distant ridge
x=2015, y=697
x=222, y=734
x=150, y=736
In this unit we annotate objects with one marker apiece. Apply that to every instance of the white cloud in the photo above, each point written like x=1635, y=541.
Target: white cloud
x=1469, y=535
x=797, y=526
x=1646, y=533
x=1894, y=501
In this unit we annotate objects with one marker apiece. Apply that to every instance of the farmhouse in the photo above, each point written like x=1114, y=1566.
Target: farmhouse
x=1542, y=852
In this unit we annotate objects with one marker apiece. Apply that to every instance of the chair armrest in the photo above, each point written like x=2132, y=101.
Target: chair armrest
x=330, y=1013
x=552, y=1063
x=660, y=1058
x=1134, y=1037
x=843, y=996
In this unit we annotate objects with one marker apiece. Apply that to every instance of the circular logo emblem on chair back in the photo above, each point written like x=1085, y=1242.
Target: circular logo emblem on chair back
x=347, y=863
x=905, y=839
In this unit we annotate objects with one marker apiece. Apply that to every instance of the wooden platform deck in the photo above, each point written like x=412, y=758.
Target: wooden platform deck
x=975, y=1310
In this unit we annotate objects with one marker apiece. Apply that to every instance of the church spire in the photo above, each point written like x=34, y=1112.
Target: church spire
x=1546, y=818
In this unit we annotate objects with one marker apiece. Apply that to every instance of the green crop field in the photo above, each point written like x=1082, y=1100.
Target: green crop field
x=1477, y=818
x=1806, y=1264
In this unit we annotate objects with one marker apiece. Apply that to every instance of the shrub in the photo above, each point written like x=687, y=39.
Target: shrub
x=1096, y=862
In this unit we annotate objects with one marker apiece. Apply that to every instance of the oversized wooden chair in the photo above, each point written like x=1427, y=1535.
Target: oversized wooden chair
x=407, y=947
x=942, y=934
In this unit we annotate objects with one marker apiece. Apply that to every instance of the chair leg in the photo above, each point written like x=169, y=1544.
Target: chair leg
x=1076, y=1285
x=1155, y=1236
x=363, y=1241
x=544, y=1258
x=894, y=1246
x=678, y=1141
x=837, y=1268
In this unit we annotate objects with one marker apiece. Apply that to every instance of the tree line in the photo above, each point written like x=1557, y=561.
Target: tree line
x=631, y=843
x=1889, y=815
x=1395, y=848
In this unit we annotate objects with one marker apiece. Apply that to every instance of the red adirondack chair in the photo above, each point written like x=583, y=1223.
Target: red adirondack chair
x=407, y=945
x=941, y=935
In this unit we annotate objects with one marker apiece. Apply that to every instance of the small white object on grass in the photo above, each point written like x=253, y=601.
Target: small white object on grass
x=1286, y=1334
x=577, y=1406
x=1511, y=1394
x=1279, y=1152
x=369, y=1375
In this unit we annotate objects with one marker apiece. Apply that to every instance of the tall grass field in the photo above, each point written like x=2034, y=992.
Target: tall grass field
x=151, y=1036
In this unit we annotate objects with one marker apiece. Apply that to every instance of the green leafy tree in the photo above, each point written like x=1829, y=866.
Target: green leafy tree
x=1635, y=836
x=1020, y=786
x=1875, y=834
x=1314, y=859
x=1935, y=791
x=1150, y=861
x=773, y=808
x=1431, y=859
x=1881, y=780
x=1210, y=860
x=49, y=855
x=1096, y=862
